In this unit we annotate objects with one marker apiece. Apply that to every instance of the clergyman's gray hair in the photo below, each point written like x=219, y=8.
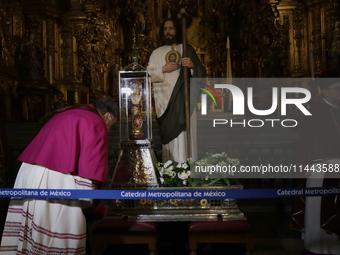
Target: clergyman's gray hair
x=105, y=105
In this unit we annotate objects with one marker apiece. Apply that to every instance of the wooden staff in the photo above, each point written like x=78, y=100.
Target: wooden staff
x=187, y=88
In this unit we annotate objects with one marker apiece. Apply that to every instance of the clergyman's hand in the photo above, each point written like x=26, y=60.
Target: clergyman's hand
x=187, y=62
x=170, y=67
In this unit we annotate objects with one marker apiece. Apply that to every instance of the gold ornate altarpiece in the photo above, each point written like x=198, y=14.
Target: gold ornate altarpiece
x=89, y=41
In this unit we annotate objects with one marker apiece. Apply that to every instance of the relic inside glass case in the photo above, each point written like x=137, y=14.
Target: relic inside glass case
x=136, y=161
x=135, y=106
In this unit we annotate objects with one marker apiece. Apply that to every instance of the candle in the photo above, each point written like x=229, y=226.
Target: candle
x=50, y=64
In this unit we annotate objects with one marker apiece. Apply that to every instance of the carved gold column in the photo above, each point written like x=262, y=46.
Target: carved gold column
x=151, y=23
x=317, y=38
x=314, y=16
x=298, y=24
x=286, y=11
x=295, y=12
x=158, y=14
x=71, y=77
x=11, y=21
x=41, y=19
x=331, y=13
x=75, y=16
x=66, y=50
x=50, y=39
x=76, y=94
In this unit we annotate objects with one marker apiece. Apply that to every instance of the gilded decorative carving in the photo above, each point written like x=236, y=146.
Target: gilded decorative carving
x=9, y=87
x=72, y=2
x=274, y=4
x=11, y=20
x=136, y=161
x=317, y=37
x=76, y=95
x=333, y=12
x=11, y=23
x=96, y=50
x=258, y=39
x=268, y=38
x=144, y=48
x=150, y=12
x=66, y=46
x=34, y=25
x=332, y=15
x=50, y=36
x=30, y=57
x=261, y=40
x=298, y=25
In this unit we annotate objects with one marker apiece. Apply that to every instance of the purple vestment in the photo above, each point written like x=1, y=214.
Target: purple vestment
x=73, y=141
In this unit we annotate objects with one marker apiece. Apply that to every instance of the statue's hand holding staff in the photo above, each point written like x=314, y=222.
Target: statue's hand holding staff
x=187, y=62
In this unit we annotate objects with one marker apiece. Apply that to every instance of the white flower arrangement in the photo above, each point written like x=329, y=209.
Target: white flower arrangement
x=173, y=174
x=177, y=174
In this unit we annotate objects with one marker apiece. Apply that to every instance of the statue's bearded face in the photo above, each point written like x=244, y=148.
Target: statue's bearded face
x=169, y=33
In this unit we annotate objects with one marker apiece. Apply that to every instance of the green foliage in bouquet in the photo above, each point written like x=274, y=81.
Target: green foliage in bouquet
x=176, y=174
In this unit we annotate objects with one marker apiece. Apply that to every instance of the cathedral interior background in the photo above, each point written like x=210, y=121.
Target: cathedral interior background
x=55, y=53
x=77, y=46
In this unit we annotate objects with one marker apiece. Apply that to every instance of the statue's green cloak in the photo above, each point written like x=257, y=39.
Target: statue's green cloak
x=173, y=120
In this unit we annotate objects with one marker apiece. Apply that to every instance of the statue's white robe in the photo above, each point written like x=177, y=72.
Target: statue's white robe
x=163, y=84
